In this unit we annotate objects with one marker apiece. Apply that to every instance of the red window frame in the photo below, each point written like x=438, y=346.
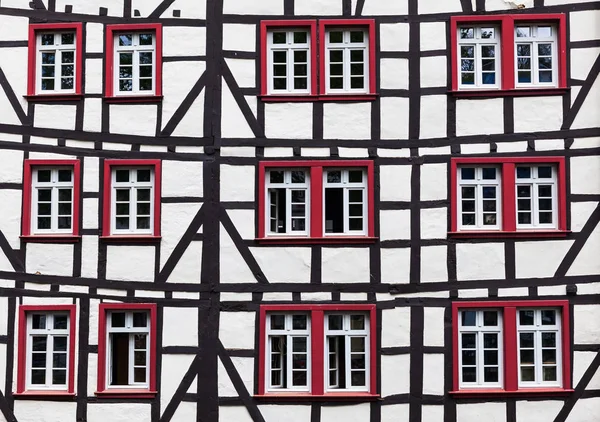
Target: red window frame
x=508, y=196
x=507, y=51
x=22, y=356
x=316, y=234
x=149, y=392
x=106, y=206
x=34, y=29
x=509, y=336
x=27, y=201
x=111, y=31
x=317, y=349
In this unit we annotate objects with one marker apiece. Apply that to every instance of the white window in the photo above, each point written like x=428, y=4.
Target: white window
x=288, y=196
x=536, y=196
x=288, y=352
x=47, y=350
x=480, y=348
x=345, y=200
x=52, y=200
x=479, y=197
x=55, y=62
x=132, y=200
x=288, y=61
x=346, y=60
x=536, y=55
x=479, y=57
x=539, y=347
x=135, y=58
x=346, y=352
x=128, y=349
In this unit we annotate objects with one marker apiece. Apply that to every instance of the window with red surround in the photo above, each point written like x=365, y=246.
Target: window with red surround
x=512, y=347
x=51, y=196
x=344, y=69
x=317, y=350
x=316, y=201
x=55, y=61
x=133, y=63
x=524, y=196
x=127, y=350
x=508, y=54
x=46, y=359
x=131, y=206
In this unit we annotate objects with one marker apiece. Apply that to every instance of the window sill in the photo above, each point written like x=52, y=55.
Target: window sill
x=42, y=98
x=517, y=92
x=531, y=392
x=532, y=234
x=328, y=97
x=54, y=238
x=36, y=394
x=130, y=239
x=316, y=240
x=134, y=99
x=126, y=394
x=345, y=396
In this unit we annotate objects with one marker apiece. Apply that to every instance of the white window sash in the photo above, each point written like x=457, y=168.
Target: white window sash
x=289, y=188
x=133, y=187
x=533, y=41
x=479, y=183
x=346, y=47
x=289, y=48
x=58, y=48
x=477, y=42
x=54, y=185
x=534, y=181
x=347, y=186
x=135, y=49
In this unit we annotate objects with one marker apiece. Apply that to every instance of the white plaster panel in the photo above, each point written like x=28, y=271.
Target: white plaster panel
x=184, y=41
x=174, y=368
x=434, y=151
x=395, y=375
x=93, y=329
x=434, y=223
x=506, y=4
x=45, y=411
x=41, y=300
x=475, y=148
x=10, y=216
x=89, y=256
x=588, y=115
x=433, y=71
x=144, y=116
x=90, y=213
x=432, y=413
x=513, y=292
x=55, y=116
x=472, y=293
x=480, y=261
x=396, y=413
x=553, y=290
x=436, y=6
x=477, y=412
x=584, y=332
x=244, y=71
x=288, y=120
x=318, y=7
x=92, y=115
x=185, y=319
x=49, y=259
x=538, y=411
x=394, y=118
x=237, y=183
x=581, y=363
x=353, y=297
x=124, y=412
x=582, y=60
x=94, y=37
x=91, y=174
x=530, y=254
x=585, y=175
x=393, y=153
x=284, y=264
x=433, y=367
x=236, y=330
x=234, y=413
x=243, y=220
x=434, y=267
x=478, y=117
x=93, y=76
x=245, y=368
x=394, y=73
x=287, y=413
x=262, y=7
x=8, y=116
x=395, y=224
x=2, y=367
x=181, y=178
x=393, y=36
x=433, y=328
x=314, y=152
x=14, y=28
x=225, y=386
x=11, y=170
x=239, y=37
x=235, y=125
x=176, y=88
x=433, y=36
x=433, y=116
x=16, y=76
x=353, y=152
x=549, y=144
x=185, y=412
x=433, y=182
x=585, y=410
x=395, y=327
x=538, y=113
x=518, y=146
x=395, y=265
x=115, y=7
x=395, y=183
x=345, y=265
x=277, y=297
x=348, y=413
x=584, y=25
x=235, y=296
x=130, y=263
x=347, y=121
x=3, y=318
x=279, y=152
x=580, y=213
x=92, y=373
x=232, y=266
x=315, y=296
x=587, y=261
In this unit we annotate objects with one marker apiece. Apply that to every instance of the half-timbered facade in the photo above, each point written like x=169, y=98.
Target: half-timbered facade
x=299, y=210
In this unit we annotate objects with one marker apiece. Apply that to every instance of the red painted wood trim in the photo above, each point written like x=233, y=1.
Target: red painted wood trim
x=22, y=342
x=317, y=359
x=454, y=52
x=562, y=193
x=495, y=393
x=566, y=344
x=323, y=98
x=453, y=196
x=51, y=239
x=133, y=99
x=316, y=202
x=262, y=350
x=31, y=52
x=455, y=351
x=562, y=51
x=327, y=240
x=509, y=213
x=262, y=212
x=110, y=51
x=102, y=343
x=521, y=92
x=371, y=199
x=522, y=233
x=373, y=356
x=126, y=394
x=511, y=366
x=507, y=51
x=48, y=98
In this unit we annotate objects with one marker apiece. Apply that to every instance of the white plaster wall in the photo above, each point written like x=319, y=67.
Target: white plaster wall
x=130, y=263
x=318, y=7
x=581, y=363
x=395, y=265
x=237, y=183
x=11, y=170
x=349, y=413
x=588, y=114
x=477, y=412
x=433, y=370
x=433, y=116
x=10, y=216
x=433, y=71
x=587, y=261
x=55, y=116
x=433, y=35
x=15, y=74
x=3, y=318
x=395, y=375
x=584, y=332
x=90, y=213
x=395, y=224
x=14, y=27
x=124, y=412
x=279, y=152
x=115, y=7
x=584, y=25
x=234, y=413
x=433, y=182
x=353, y=152
x=243, y=220
x=434, y=265
x=479, y=261
x=538, y=411
x=287, y=413
x=89, y=256
x=49, y=259
x=263, y=7
x=519, y=146
x=347, y=121
x=393, y=73
x=432, y=413
x=345, y=265
x=232, y=266
x=225, y=386
x=479, y=117
x=282, y=264
x=585, y=175
x=244, y=71
x=395, y=183
x=395, y=327
x=236, y=329
x=174, y=368
x=530, y=254
x=234, y=123
x=393, y=36
x=288, y=120
x=239, y=37
x=3, y=362
x=396, y=413
x=436, y=6
x=181, y=178
x=434, y=224
x=582, y=60
x=91, y=174
x=184, y=41
x=94, y=82
x=186, y=321
x=144, y=116
x=175, y=219
x=433, y=328
x=538, y=113
x=44, y=411
x=585, y=410
x=92, y=115
x=185, y=412
x=394, y=118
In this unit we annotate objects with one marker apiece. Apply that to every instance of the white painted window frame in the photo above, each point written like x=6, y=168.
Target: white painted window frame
x=133, y=185
x=132, y=331
x=54, y=185
x=289, y=333
x=290, y=47
x=50, y=333
x=477, y=42
x=537, y=329
x=346, y=185
x=347, y=333
x=534, y=40
x=135, y=49
x=58, y=48
x=289, y=187
x=479, y=330
x=479, y=183
x=346, y=46
x=534, y=182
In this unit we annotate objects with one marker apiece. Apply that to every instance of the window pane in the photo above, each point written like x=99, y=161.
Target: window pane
x=299, y=378
x=336, y=36
x=523, y=31
x=140, y=319
x=117, y=319
x=335, y=322
x=60, y=322
x=488, y=173
x=125, y=40
x=526, y=339
x=276, y=176
x=545, y=172
x=548, y=317
x=139, y=374
x=59, y=360
x=59, y=377
x=277, y=322
x=38, y=360
x=527, y=357
x=139, y=358
x=68, y=57
x=469, y=374
x=279, y=37
x=526, y=317
x=299, y=322
x=143, y=175
x=143, y=223
x=490, y=357
x=544, y=31
x=48, y=39
x=358, y=378
x=43, y=176
x=357, y=322
x=549, y=373
x=299, y=344
x=468, y=341
x=145, y=58
x=145, y=39
x=357, y=36
x=334, y=176
x=549, y=356
x=548, y=339
x=38, y=322
x=44, y=195
x=300, y=37
x=44, y=223
x=469, y=357
x=490, y=340
x=60, y=344
x=528, y=373
x=125, y=59
x=490, y=318
x=139, y=341
x=122, y=175
x=487, y=33
x=490, y=374
x=467, y=33
x=469, y=318
x=38, y=343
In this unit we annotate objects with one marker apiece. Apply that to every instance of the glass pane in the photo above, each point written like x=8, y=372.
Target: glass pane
x=299, y=344
x=38, y=360
x=48, y=39
x=140, y=319
x=528, y=373
x=143, y=194
x=490, y=341
x=356, y=224
x=299, y=361
x=358, y=362
x=68, y=56
x=145, y=72
x=549, y=373
x=300, y=37
x=143, y=223
x=357, y=36
x=334, y=176
x=468, y=340
x=277, y=322
x=545, y=172
x=60, y=322
x=467, y=33
x=59, y=377
x=468, y=78
x=357, y=82
x=145, y=39
x=139, y=358
x=336, y=36
x=60, y=344
x=523, y=31
x=469, y=318
x=276, y=176
x=488, y=173
x=490, y=318
x=117, y=319
x=468, y=206
x=490, y=374
x=59, y=360
x=64, y=208
x=488, y=51
x=143, y=209
x=357, y=322
x=122, y=209
x=44, y=209
x=549, y=356
x=469, y=374
x=335, y=322
x=548, y=317
x=527, y=357
x=125, y=40
x=298, y=176
x=299, y=322
x=487, y=33
x=146, y=58
x=468, y=192
x=44, y=222
x=43, y=176
x=122, y=175
x=526, y=339
x=357, y=56
x=299, y=378
x=526, y=317
x=38, y=343
x=125, y=59
x=469, y=357
x=467, y=173
x=279, y=37
x=489, y=192
x=546, y=76
x=139, y=374
x=467, y=52
x=44, y=195
x=300, y=56
x=38, y=321
x=548, y=339
x=358, y=378
x=139, y=341
x=544, y=31
x=357, y=344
